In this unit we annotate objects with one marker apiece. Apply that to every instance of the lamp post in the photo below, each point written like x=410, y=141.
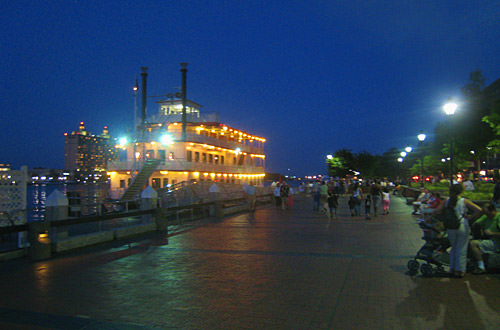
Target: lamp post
x=403, y=154
x=450, y=108
x=421, y=138
x=400, y=160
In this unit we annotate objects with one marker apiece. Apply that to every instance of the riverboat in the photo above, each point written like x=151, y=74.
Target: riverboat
x=181, y=144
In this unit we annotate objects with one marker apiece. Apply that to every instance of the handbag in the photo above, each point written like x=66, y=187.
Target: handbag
x=450, y=219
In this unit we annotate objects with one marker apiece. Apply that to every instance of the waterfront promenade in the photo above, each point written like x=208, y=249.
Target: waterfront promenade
x=270, y=270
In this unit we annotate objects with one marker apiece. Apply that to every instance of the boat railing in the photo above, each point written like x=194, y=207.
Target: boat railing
x=181, y=164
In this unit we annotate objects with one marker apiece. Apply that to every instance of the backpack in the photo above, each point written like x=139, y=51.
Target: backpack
x=450, y=219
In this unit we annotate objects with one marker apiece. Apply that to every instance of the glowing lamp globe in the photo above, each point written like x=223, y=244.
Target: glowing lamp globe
x=450, y=108
x=166, y=139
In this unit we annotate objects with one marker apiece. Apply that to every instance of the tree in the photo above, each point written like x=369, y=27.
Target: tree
x=493, y=120
x=341, y=163
x=470, y=128
x=366, y=164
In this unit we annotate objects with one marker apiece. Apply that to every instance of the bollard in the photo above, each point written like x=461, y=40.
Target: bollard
x=38, y=236
x=56, y=209
x=149, y=200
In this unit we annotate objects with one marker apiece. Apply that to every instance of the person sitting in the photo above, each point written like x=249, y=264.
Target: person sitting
x=432, y=204
x=469, y=185
x=422, y=199
x=489, y=224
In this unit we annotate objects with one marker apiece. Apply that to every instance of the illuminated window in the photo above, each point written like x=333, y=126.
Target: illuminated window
x=156, y=183
x=222, y=160
x=189, y=155
x=210, y=158
x=204, y=157
x=171, y=156
x=197, y=156
x=161, y=154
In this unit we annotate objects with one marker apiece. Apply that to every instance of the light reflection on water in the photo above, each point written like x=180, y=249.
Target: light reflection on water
x=37, y=194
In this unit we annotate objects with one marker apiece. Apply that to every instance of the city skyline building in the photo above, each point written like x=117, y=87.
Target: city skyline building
x=87, y=155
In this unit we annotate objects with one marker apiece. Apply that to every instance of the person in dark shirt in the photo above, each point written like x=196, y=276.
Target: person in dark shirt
x=333, y=202
x=376, y=193
x=368, y=206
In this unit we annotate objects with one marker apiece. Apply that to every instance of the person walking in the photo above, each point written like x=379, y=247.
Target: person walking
x=284, y=192
x=375, y=192
x=323, y=196
x=459, y=238
x=333, y=202
x=368, y=206
x=358, y=197
x=386, y=200
x=251, y=195
x=316, y=195
x=277, y=193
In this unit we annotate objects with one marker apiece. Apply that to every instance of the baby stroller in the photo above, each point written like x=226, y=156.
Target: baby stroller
x=433, y=253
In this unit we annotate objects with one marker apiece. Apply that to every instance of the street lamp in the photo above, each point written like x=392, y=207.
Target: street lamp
x=408, y=149
x=400, y=160
x=421, y=138
x=450, y=108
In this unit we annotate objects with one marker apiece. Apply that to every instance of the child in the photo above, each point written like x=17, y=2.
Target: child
x=386, y=200
x=351, y=204
x=332, y=203
x=368, y=205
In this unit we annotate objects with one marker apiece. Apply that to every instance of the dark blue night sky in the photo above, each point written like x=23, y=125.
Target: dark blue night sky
x=310, y=76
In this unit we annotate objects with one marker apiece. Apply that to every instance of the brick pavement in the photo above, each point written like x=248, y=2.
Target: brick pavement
x=271, y=270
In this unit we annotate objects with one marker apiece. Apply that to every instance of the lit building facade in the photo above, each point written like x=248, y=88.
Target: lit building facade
x=211, y=151
x=87, y=155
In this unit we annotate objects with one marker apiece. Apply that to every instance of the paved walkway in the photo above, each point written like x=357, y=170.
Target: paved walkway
x=271, y=270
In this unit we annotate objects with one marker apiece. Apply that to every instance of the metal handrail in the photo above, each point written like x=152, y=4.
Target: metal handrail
x=118, y=215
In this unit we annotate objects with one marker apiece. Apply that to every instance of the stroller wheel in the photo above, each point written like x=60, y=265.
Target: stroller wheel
x=413, y=266
x=427, y=270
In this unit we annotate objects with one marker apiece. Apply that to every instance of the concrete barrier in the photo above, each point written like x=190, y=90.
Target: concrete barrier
x=82, y=241
x=134, y=230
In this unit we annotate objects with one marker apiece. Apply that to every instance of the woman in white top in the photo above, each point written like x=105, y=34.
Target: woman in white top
x=459, y=238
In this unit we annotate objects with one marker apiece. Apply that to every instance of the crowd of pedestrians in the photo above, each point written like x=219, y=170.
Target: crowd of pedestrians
x=368, y=195
x=372, y=198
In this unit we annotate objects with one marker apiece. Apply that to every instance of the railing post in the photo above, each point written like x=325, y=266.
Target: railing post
x=149, y=200
x=57, y=208
x=40, y=235
x=214, y=195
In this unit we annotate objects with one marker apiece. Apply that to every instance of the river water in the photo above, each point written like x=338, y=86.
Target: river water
x=82, y=197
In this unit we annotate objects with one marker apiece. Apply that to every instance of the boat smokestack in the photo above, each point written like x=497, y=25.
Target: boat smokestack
x=184, y=98
x=144, y=75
